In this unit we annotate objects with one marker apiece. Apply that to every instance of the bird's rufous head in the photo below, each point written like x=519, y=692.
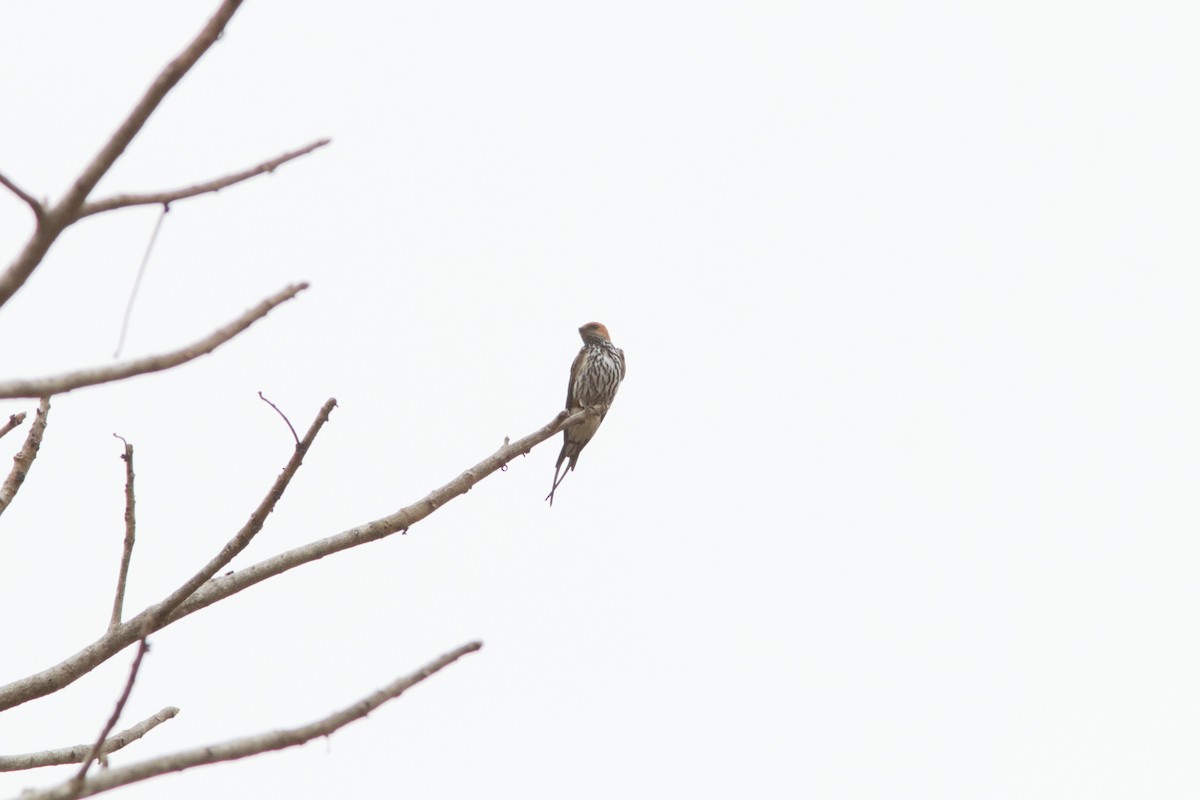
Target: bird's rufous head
x=594, y=333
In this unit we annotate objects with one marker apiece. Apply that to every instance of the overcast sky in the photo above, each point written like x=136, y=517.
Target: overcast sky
x=897, y=500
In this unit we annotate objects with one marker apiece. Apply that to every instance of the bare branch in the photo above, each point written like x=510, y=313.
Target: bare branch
x=13, y=421
x=170, y=75
x=76, y=754
x=55, y=220
x=280, y=413
x=130, y=530
x=36, y=205
x=158, y=614
x=215, y=185
x=116, y=714
x=250, y=745
x=397, y=522
x=90, y=377
x=23, y=460
x=73, y=667
x=31, y=255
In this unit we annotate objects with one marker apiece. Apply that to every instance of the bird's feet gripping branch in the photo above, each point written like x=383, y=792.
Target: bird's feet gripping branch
x=596, y=374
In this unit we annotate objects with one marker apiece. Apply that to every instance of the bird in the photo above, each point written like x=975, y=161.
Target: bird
x=596, y=373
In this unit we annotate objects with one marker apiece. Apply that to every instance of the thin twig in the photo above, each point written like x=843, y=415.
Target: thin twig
x=75, y=666
x=130, y=530
x=90, y=377
x=61, y=216
x=13, y=421
x=215, y=185
x=23, y=460
x=76, y=754
x=280, y=413
x=137, y=281
x=116, y=714
x=36, y=205
x=234, y=749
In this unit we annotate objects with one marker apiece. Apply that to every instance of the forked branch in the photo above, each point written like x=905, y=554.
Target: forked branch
x=399, y=521
x=250, y=745
x=166, y=80
x=55, y=220
x=158, y=614
x=218, y=588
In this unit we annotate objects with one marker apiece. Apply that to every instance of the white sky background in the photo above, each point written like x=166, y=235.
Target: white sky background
x=897, y=500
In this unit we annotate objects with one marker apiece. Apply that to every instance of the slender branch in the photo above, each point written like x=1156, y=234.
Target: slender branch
x=130, y=531
x=234, y=749
x=137, y=281
x=13, y=421
x=215, y=185
x=280, y=413
x=36, y=205
x=116, y=714
x=58, y=384
x=76, y=754
x=23, y=460
x=55, y=220
x=73, y=667
x=158, y=614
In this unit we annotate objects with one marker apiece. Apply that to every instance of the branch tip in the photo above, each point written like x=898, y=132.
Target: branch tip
x=14, y=420
x=23, y=460
x=280, y=413
x=130, y=536
x=76, y=754
x=165, y=198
